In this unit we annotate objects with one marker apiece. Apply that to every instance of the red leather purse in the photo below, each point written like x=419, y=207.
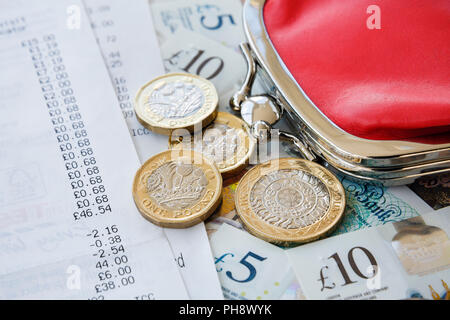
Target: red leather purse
x=387, y=79
x=366, y=84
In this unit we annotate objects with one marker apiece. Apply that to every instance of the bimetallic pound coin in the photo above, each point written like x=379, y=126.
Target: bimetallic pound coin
x=226, y=141
x=289, y=201
x=176, y=101
x=177, y=188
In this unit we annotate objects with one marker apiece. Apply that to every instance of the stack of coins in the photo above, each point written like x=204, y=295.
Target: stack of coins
x=282, y=201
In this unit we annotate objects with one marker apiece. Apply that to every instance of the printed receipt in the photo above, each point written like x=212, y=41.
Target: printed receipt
x=68, y=224
x=128, y=43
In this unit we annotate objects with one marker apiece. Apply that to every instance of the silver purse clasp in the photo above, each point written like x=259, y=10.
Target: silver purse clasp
x=261, y=112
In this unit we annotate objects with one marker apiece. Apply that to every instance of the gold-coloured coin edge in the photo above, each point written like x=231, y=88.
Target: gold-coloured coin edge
x=202, y=209
x=245, y=150
x=288, y=237
x=161, y=125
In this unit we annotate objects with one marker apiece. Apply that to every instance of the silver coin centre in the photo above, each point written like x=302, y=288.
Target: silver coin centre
x=176, y=100
x=176, y=185
x=290, y=198
x=219, y=143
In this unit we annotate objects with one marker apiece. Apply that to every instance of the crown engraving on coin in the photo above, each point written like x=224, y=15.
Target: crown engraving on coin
x=177, y=188
x=176, y=185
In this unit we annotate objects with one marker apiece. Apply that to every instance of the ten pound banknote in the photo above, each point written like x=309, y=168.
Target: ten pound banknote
x=400, y=260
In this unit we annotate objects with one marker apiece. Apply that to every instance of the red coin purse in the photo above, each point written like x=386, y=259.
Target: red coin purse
x=366, y=84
